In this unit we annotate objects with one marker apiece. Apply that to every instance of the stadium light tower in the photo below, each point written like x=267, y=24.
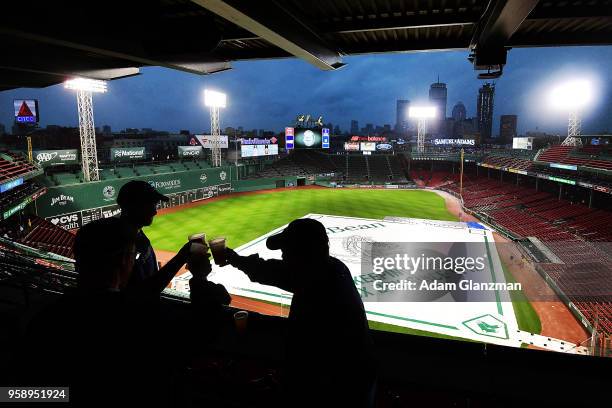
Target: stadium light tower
x=572, y=97
x=215, y=100
x=421, y=114
x=89, y=155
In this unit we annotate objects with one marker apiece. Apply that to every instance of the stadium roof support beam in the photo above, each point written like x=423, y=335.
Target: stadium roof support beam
x=403, y=22
x=124, y=53
x=500, y=21
x=278, y=26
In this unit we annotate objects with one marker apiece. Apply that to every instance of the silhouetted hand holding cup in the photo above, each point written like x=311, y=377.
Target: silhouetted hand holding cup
x=198, y=262
x=217, y=247
x=231, y=256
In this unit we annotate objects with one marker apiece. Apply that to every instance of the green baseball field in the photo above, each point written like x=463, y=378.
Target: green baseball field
x=243, y=217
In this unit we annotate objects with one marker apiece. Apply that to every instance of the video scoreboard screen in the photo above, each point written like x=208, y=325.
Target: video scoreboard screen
x=26, y=110
x=256, y=150
x=524, y=143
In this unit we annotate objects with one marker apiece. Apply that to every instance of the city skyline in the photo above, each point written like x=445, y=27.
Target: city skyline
x=366, y=90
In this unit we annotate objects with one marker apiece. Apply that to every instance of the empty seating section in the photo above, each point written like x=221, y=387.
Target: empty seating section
x=354, y=168
x=127, y=171
x=379, y=168
x=555, y=154
x=594, y=226
x=49, y=237
x=590, y=156
x=513, y=207
x=339, y=162
x=14, y=166
x=434, y=179
x=578, y=235
x=508, y=162
x=357, y=168
x=18, y=194
x=396, y=167
x=585, y=278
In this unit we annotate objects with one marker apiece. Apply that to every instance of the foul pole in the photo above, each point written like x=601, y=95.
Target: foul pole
x=461, y=175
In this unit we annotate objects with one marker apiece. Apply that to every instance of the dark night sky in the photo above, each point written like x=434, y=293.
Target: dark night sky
x=268, y=94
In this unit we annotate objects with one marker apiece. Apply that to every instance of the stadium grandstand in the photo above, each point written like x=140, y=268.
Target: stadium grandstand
x=345, y=167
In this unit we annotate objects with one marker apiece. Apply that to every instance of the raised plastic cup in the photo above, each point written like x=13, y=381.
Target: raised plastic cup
x=217, y=248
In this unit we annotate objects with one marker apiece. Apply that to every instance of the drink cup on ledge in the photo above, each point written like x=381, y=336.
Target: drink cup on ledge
x=217, y=247
x=240, y=319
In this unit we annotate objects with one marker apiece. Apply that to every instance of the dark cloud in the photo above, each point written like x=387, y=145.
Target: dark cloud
x=268, y=94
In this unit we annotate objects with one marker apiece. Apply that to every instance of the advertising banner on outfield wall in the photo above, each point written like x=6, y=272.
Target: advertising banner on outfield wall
x=55, y=157
x=189, y=152
x=209, y=141
x=70, y=199
x=127, y=153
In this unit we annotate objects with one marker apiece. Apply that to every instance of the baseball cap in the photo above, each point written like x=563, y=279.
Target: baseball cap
x=137, y=191
x=298, y=231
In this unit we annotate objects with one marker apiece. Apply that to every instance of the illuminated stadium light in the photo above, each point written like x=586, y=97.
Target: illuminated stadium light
x=85, y=87
x=422, y=112
x=215, y=99
x=573, y=97
x=85, y=84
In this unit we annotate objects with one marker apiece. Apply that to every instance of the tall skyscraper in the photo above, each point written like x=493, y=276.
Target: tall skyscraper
x=401, y=116
x=438, y=97
x=484, y=110
x=459, y=112
x=354, y=127
x=507, y=128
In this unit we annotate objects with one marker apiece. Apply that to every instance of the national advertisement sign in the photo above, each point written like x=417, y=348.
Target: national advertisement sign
x=210, y=141
x=454, y=142
x=189, y=152
x=26, y=110
x=46, y=158
x=127, y=153
x=384, y=147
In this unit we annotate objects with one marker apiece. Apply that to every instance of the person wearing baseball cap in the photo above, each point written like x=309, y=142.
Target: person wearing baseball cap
x=138, y=201
x=329, y=351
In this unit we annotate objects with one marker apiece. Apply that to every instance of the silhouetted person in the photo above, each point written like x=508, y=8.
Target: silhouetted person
x=329, y=349
x=97, y=338
x=138, y=201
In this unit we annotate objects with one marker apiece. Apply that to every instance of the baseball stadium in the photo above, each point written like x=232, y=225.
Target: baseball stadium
x=536, y=317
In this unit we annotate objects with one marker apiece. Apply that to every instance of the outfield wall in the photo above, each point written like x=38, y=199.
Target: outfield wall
x=72, y=206
x=263, y=184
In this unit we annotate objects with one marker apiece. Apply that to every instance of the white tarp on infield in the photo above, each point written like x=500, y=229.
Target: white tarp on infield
x=492, y=322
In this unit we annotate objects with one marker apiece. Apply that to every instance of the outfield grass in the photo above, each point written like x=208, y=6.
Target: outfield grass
x=243, y=218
